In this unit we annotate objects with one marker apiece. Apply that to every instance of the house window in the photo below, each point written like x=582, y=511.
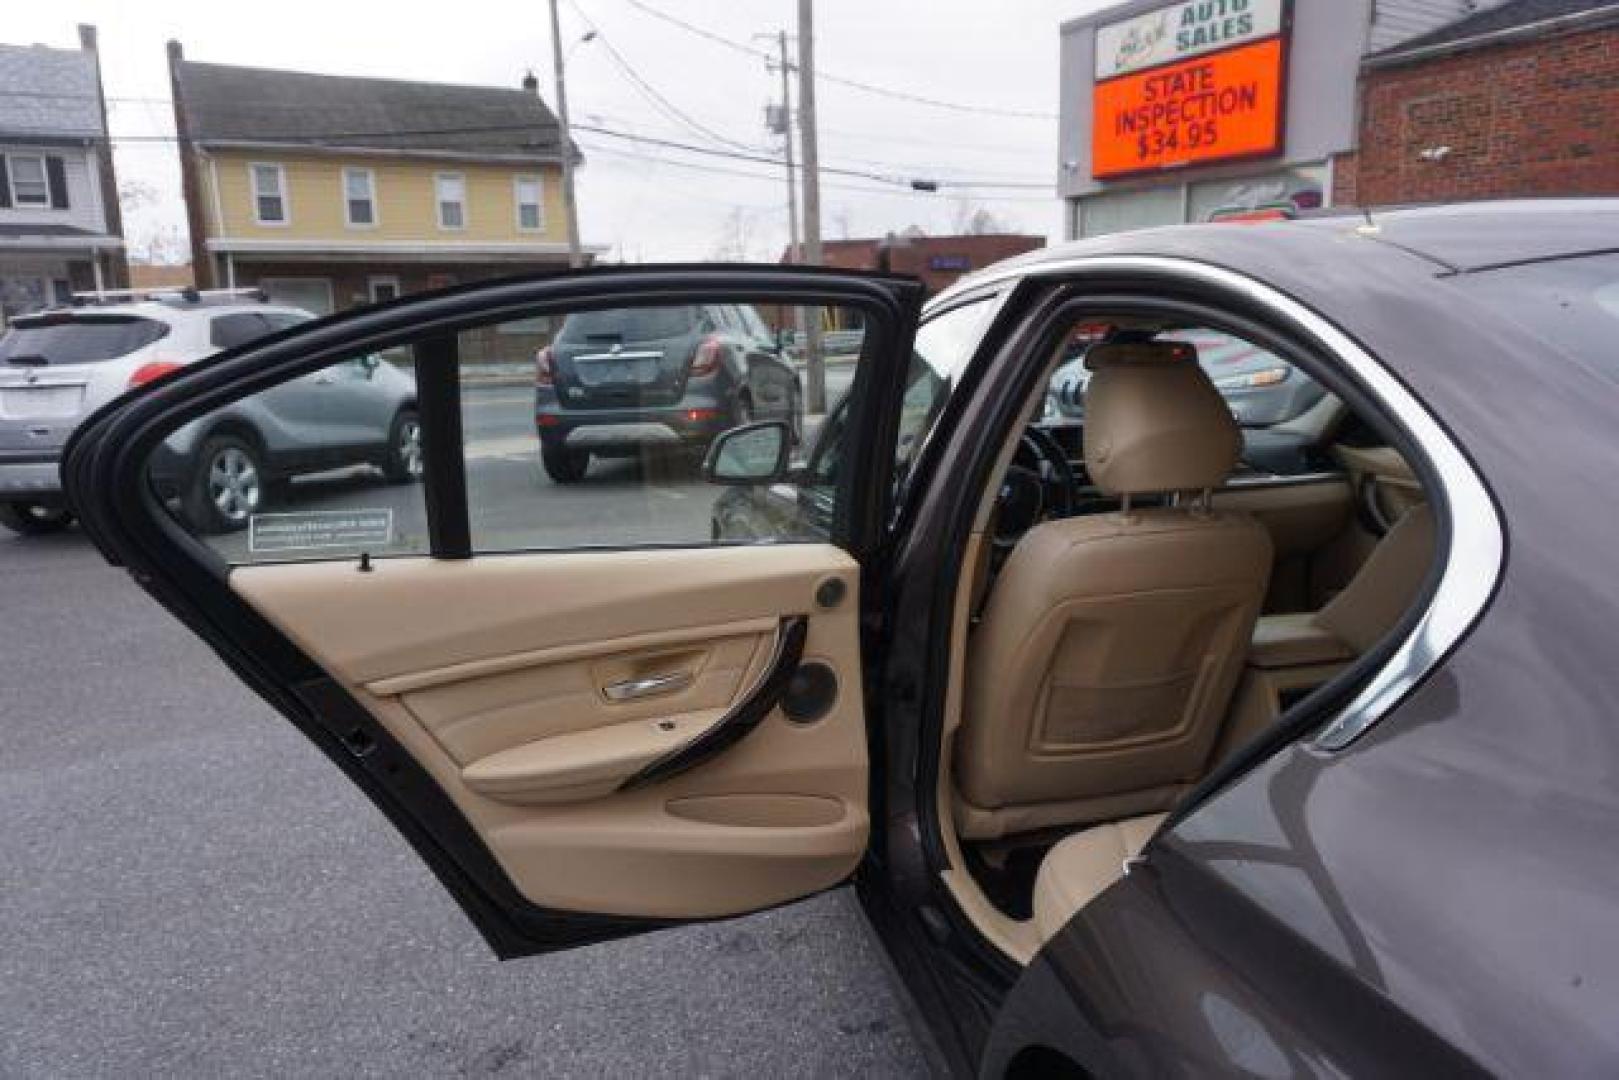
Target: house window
x=269, y=194
x=360, y=197
x=29, y=186
x=384, y=287
x=452, y=200
x=529, y=216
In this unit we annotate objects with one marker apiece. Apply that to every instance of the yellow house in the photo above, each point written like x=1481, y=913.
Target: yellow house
x=330, y=191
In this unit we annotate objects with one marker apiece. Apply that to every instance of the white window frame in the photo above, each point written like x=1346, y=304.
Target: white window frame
x=44, y=181
x=281, y=192
x=382, y=279
x=539, y=201
x=370, y=197
x=439, y=200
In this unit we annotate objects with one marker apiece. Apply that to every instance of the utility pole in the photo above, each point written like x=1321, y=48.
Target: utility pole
x=814, y=357
x=570, y=209
x=787, y=133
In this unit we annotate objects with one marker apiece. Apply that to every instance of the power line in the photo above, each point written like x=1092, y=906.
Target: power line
x=826, y=76
x=647, y=90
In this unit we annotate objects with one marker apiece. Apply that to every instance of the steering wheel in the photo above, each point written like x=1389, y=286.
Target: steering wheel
x=1039, y=485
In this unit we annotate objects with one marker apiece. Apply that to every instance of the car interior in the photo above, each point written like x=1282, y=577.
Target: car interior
x=1148, y=586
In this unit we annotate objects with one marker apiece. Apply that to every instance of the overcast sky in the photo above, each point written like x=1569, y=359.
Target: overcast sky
x=648, y=203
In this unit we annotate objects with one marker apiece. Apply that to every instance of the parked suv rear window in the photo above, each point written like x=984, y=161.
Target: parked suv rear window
x=628, y=324
x=77, y=339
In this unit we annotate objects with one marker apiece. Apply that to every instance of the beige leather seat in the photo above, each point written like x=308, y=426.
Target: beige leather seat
x=1077, y=870
x=1109, y=647
x=1366, y=608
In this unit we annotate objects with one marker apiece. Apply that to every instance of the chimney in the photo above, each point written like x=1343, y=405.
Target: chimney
x=531, y=84
x=176, y=53
x=87, y=37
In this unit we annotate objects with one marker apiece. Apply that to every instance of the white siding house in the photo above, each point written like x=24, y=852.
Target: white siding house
x=59, y=222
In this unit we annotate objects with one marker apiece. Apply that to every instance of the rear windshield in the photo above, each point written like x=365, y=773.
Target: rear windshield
x=628, y=324
x=78, y=339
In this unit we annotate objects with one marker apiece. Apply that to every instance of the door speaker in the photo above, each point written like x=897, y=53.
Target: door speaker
x=811, y=693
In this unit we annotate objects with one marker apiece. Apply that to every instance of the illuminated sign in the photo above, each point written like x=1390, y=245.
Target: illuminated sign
x=1182, y=31
x=1215, y=107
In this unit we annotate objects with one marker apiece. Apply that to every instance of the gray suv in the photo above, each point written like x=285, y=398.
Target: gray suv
x=59, y=366
x=625, y=381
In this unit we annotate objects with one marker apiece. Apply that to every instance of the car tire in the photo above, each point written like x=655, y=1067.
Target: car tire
x=227, y=487
x=34, y=519
x=562, y=465
x=403, y=463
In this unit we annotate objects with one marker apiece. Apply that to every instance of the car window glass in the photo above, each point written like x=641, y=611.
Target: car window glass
x=943, y=346
x=281, y=320
x=326, y=465
x=229, y=331
x=48, y=340
x=599, y=439
x=627, y=325
x=1262, y=389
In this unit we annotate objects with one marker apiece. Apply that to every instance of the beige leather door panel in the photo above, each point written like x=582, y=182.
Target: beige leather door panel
x=533, y=687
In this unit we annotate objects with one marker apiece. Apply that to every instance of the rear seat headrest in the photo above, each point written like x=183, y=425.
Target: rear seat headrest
x=1154, y=421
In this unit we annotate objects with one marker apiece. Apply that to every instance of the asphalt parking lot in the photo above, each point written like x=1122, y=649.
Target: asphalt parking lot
x=190, y=889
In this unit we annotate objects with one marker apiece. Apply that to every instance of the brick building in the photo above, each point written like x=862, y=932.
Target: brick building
x=937, y=260
x=1209, y=110
x=1519, y=100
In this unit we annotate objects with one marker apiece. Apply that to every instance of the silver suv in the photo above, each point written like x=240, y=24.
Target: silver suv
x=59, y=366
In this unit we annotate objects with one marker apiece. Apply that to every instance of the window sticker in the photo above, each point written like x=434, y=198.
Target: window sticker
x=271, y=533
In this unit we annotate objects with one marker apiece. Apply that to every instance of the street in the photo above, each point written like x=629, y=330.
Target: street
x=191, y=889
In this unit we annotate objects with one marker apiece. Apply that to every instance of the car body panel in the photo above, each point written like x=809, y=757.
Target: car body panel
x=1455, y=862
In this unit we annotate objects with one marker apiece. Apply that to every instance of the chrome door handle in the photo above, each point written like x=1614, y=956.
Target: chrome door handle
x=650, y=686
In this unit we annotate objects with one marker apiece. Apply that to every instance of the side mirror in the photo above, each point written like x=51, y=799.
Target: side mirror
x=750, y=454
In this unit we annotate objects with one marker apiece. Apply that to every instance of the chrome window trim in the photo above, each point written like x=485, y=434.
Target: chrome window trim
x=1475, y=556
x=1243, y=481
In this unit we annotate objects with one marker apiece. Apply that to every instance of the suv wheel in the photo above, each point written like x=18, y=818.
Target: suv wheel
x=403, y=464
x=228, y=486
x=562, y=465
x=33, y=519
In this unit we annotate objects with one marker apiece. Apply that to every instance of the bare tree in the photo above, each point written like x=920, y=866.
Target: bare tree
x=736, y=242
x=973, y=218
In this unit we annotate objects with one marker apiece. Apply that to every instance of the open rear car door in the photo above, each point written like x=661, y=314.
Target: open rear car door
x=586, y=714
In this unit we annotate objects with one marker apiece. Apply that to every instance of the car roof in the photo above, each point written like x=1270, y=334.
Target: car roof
x=1448, y=239
x=171, y=312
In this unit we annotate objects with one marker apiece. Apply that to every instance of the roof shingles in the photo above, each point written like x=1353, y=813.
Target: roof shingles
x=51, y=93
x=1513, y=15
x=225, y=104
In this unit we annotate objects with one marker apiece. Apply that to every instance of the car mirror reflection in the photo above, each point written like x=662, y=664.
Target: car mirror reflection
x=750, y=454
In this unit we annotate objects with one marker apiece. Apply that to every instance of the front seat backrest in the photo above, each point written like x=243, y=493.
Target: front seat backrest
x=1100, y=674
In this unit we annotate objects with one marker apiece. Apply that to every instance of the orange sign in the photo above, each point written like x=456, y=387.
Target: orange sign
x=1223, y=105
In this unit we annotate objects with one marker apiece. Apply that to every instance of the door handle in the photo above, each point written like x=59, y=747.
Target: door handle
x=651, y=686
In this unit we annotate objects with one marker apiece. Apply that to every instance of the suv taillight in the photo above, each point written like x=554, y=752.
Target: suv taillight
x=707, y=359
x=545, y=367
x=152, y=369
